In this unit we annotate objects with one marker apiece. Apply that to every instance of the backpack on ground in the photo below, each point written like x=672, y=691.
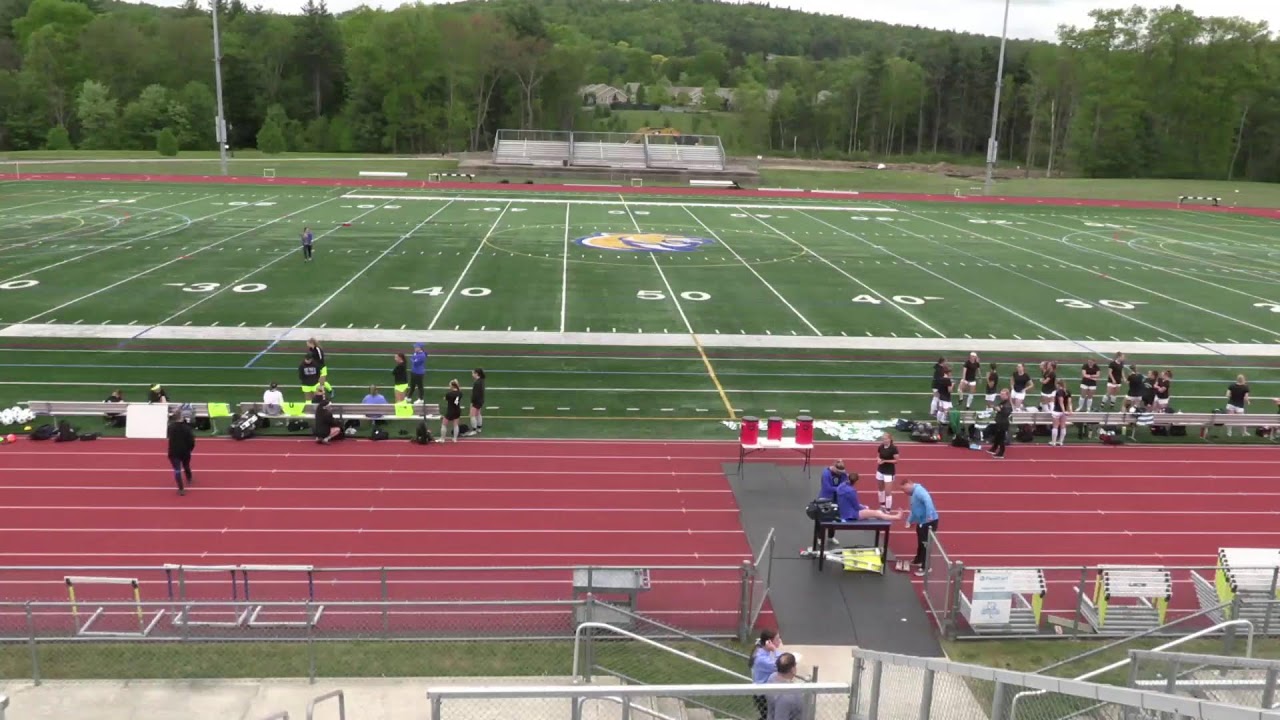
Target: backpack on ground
x=44, y=432
x=66, y=433
x=245, y=426
x=379, y=433
x=423, y=435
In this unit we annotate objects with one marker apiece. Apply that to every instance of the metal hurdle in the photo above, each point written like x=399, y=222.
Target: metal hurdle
x=176, y=580
x=145, y=626
x=256, y=610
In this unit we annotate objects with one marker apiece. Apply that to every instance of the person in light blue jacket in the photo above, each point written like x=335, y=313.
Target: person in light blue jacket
x=924, y=516
x=417, y=374
x=764, y=663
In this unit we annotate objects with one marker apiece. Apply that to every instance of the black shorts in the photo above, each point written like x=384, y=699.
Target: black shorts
x=477, y=405
x=452, y=416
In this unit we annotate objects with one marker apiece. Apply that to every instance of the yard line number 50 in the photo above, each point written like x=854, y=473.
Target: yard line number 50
x=694, y=295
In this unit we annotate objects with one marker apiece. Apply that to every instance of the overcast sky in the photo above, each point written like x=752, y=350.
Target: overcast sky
x=1036, y=19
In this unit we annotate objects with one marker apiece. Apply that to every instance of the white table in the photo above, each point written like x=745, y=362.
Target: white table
x=784, y=444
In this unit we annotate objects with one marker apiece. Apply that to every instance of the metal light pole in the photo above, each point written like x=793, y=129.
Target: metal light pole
x=993, y=146
x=220, y=122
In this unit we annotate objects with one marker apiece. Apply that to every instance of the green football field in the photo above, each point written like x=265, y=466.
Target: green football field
x=622, y=307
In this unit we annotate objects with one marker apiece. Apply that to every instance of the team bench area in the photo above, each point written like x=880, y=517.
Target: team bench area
x=1132, y=421
x=213, y=412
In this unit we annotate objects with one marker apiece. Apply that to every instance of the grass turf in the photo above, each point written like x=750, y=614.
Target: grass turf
x=89, y=262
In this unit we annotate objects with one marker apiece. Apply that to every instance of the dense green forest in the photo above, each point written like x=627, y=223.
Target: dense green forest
x=1139, y=93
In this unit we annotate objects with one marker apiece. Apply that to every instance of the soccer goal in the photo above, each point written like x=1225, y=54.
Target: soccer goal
x=269, y=173
x=1184, y=199
x=92, y=626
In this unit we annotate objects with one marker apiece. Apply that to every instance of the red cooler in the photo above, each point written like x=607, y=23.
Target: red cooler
x=750, y=434
x=775, y=429
x=804, y=430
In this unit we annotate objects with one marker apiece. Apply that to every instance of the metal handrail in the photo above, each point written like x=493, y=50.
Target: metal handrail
x=1013, y=706
x=577, y=646
x=4, y=703
x=342, y=704
x=626, y=704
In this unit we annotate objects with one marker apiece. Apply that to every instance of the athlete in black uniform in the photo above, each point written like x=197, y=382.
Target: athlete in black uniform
x=938, y=368
x=309, y=378
x=1061, y=414
x=1237, y=400
x=452, y=411
x=477, y=401
x=886, y=470
x=1137, y=389
x=1164, y=386
x=993, y=387
x=1048, y=384
x=1089, y=373
x=1001, y=425
x=944, y=399
x=1018, y=391
x=1115, y=379
x=969, y=383
x=1149, y=390
x=317, y=356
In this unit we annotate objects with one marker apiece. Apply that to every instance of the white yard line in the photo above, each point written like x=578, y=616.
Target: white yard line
x=467, y=268
x=841, y=270
x=368, y=267
x=675, y=202
x=77, y=211
x=153, y=233
x=251, y=273
x=564, y=271
x=1270, y=273
x=178, y=258
x=759, y=277
x=671, y=293
x=1269, y=331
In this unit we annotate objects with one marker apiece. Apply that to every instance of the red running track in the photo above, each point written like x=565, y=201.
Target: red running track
x=495, y=504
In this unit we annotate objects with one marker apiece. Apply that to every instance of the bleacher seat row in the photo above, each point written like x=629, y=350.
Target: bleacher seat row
x=595, y=153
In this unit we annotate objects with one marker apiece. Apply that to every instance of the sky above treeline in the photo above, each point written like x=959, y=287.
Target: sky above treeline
x=1029, y=19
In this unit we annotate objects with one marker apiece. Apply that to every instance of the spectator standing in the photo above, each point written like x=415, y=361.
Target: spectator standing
x=764, y=663
x=400, y=377
x=308, y=240
x=452, y=412
x=182, y=443
x=1000, y=426
x=417, y=374
x=925, y=517
x=1237, y=401
x=785, y=707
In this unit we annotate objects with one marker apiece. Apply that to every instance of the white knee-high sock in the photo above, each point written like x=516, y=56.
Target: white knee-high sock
x=479, y=420
x=455, y=431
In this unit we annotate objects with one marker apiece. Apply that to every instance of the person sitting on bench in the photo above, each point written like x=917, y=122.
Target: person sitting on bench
x=115, y=419
x=851, y=510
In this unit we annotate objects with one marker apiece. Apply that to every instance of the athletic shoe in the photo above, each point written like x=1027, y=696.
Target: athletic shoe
x=918, y=572
x=182, y=492
x=832, y=541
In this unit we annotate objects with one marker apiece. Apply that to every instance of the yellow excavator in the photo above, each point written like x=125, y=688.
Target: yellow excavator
x=640, y=134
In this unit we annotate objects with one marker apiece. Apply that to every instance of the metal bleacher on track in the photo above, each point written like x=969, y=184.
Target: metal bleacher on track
x=609, y=150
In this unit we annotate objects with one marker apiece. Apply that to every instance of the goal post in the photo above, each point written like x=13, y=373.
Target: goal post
x=269, y=173
x=85, y=629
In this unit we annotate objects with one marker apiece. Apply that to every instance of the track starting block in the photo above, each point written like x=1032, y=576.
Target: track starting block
x=852, y=559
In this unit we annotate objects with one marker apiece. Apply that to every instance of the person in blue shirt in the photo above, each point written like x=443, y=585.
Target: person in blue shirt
x=851, y=509
x=832, y=476
x=764, y=663
x=924, y=516
x=417, y=374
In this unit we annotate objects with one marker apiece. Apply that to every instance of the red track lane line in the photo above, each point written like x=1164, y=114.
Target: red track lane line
x=483, y=548
x=312, y=467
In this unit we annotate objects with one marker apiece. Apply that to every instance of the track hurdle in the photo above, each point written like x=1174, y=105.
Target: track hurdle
x=176, y=581
x=256, y=611
x=1215, y=201
x=145, y=626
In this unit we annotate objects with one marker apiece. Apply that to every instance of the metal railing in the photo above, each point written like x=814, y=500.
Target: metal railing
x=822, y=701
x=1024, y=697
x=897, y=687
x=335, y=695
x=762, y=579
x=579, y=667
x=1247, y=682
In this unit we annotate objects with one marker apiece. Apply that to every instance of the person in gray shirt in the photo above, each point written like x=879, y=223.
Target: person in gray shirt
x=786, y=707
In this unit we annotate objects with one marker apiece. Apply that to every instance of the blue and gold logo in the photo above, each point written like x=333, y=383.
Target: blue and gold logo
x=643, y=242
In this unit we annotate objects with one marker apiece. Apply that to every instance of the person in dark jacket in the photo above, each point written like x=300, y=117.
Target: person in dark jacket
x=477, y=401
x=309, y=379
x=328, y=428
x=182, y=442
x=1000, y=426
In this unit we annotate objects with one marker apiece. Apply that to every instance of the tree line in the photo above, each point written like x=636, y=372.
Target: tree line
x=1138, y=93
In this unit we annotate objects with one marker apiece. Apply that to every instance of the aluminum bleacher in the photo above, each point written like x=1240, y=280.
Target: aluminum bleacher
x=609, y=150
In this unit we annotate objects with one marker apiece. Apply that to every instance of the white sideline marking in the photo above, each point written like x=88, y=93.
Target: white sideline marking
x=582, y=339
x=641, y=203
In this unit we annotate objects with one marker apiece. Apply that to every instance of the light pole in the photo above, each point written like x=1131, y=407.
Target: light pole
x=993, y=146
x=220, y=122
